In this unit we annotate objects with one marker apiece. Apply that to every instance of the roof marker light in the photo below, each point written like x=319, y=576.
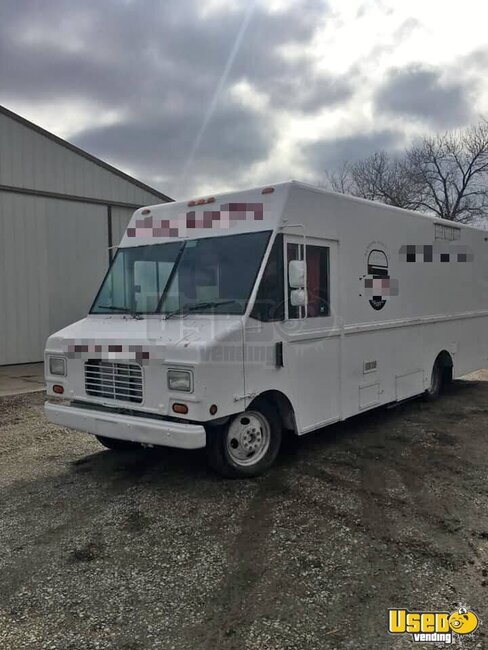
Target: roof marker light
x=191, y=204
x=146, y=211
x=267, y=190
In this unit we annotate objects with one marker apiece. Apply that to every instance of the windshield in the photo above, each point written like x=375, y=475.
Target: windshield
x=215, y=274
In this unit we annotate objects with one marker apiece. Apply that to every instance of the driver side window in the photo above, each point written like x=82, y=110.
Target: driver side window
x=269, y=304
x=318, y=281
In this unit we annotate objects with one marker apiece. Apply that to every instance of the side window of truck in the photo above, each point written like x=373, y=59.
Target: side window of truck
x=269, y=304
x=318, y=283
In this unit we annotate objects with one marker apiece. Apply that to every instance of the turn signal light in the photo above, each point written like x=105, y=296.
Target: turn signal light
x=59, y=390
x=180, y=408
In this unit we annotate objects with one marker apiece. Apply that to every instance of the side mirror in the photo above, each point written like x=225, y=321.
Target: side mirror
x=296, y=274
x=298, y=298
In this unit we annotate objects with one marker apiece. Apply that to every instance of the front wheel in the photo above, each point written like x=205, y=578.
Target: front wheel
x=248, y=444
x=117, y=445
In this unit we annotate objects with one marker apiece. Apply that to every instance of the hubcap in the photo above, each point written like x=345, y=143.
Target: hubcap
x=248, y=438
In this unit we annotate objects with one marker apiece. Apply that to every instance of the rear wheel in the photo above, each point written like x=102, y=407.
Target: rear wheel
x=248, y=444
x=437, y=379
x=117, y=445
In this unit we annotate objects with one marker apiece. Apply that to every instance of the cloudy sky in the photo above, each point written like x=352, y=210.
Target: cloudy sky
x=198, y=96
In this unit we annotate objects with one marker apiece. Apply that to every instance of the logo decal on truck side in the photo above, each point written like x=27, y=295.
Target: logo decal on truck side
x=433, y=253
x=378, y=286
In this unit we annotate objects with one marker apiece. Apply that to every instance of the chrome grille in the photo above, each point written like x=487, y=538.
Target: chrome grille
x=120, y=381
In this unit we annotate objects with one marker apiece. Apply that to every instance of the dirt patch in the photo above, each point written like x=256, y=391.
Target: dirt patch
x=101, y=549
x=88, y=552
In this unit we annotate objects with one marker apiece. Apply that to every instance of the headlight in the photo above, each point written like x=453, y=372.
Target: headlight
x=180, y=380
x=57, y=366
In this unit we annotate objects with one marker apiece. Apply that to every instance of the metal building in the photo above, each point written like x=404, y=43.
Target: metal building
x=61, y=211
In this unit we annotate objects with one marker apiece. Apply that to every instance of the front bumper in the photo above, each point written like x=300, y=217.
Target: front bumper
x=148, y=431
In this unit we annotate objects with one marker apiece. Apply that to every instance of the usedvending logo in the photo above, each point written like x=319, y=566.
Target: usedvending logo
x=432, y=627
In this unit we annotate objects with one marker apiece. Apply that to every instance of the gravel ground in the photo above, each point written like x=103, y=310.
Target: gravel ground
x=128, y=551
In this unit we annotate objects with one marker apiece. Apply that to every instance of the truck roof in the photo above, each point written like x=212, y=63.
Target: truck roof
x=248, y=210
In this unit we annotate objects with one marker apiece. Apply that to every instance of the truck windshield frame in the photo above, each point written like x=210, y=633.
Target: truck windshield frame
x=204, y=275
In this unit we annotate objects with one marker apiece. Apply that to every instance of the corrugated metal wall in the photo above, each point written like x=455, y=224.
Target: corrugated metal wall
x=31, y=160
x=53, y=249
x=120, y=219
x=51, y=263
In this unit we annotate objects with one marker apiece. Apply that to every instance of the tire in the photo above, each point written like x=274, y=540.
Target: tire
x=117, y=445
x=447, y=378
x=248, y=444
x=436, y=383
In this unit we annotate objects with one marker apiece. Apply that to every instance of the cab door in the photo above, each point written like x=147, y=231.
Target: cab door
x=312, y=332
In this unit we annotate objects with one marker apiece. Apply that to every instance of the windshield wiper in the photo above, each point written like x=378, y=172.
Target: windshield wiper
x=122, y=310
x=115, y=308
x=189, y=307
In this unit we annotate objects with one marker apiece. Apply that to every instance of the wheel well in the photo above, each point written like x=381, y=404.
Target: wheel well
x=444, y=359
x=282, y=405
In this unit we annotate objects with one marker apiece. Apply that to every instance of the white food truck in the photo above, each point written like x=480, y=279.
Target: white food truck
x=225, y=321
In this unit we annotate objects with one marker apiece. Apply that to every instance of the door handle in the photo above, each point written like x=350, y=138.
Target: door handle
x=279, y=354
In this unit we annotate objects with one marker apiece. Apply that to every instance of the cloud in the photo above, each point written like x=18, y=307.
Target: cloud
x=421, y=93
x=477, y=60
x=235, y=139
x=157, y=65
x=141, y=51
x=331, y=154
x=320, y=90
x=138, y=77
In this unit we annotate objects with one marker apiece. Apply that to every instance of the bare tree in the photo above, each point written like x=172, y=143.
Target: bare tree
x=445, y=175
x=451, y=171
x=341, y=180
x=380, y=177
